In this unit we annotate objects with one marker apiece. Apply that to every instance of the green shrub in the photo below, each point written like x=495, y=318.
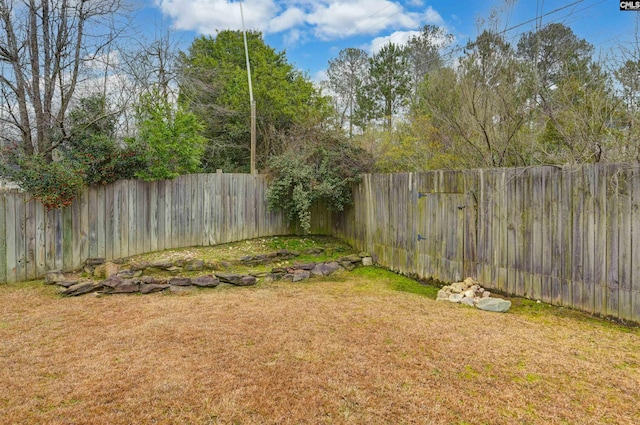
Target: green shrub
x=54, y=184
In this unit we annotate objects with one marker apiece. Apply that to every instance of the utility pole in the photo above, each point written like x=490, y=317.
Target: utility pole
x=253, y=102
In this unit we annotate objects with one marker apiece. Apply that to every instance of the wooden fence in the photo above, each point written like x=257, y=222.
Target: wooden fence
x=567, y=236
x=134, y=217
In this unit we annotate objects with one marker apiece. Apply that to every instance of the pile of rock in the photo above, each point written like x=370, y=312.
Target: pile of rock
x=141, y=277
x=469, y=292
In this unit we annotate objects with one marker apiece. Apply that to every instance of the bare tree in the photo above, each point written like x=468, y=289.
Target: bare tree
x=44, y=47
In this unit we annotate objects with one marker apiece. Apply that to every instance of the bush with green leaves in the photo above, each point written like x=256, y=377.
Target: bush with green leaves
x=169, y=138
x=55, y=184
x=319, y=166
x=92, y=144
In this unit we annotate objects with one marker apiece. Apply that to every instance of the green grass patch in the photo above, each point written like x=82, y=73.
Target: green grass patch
x=396, y=282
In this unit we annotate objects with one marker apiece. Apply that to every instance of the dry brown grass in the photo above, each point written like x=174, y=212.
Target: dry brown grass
x=345, y=351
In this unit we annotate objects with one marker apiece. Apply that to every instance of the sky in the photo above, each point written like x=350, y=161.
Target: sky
x=312, y=32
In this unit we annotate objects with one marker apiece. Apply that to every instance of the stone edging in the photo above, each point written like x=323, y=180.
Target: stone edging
x=136, y=278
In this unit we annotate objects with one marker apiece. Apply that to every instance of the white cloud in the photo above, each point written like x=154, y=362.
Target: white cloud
x=398, y=37
x=209, y=16
x=431, y=16
x=340, y=19
x=329, y=19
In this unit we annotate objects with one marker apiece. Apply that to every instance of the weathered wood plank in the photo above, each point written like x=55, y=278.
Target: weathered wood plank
x=3, y=237
x=154, y=216
x=101, y=227
x=11, y=227
x=635, y=246
x=133, y=214
x=124, y=219
x=116, y=211
x=161, y=215
x=31, y=226
x=599, y=288
x=566, y=245
x=109, y=218
x=84, y=220
x=67, y=239
x=625, y=309
x=20, y=237
x=92, y=207
x=76, y=230
x=548, y=234
x=611, y=292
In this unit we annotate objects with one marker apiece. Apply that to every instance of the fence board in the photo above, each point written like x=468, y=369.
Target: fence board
x=598, y=288
x=154, y=217
x=610, y=291
x=624, y=245
x=3, y=238
x=20, y=246
x=133, y=214
x=635, y=246
x=67, y=239
x=11, y=231
x=30, y=240
x=566, y=245
x=109, y=217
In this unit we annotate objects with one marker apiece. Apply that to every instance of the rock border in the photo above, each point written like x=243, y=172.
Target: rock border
x=112, y=278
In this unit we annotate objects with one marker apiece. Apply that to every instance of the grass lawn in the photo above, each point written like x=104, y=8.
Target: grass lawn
x=366, y=347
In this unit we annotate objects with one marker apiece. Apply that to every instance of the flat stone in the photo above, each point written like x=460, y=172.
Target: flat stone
x=443, y=295
x=127, y=286
x=367, y=261
x=305, y=266
x=497, y=305
x=180, y=281
x=279, y=270
x=206, y=281
x=314, y=251
x=194, y=266
x=348, y=265
x=234, y=279
x=456, y=298
x=150, y=279
x=353, y=258
x=300, y=275
x=54, y=276
x=82, y=288
x=364, y=254
x=470, y=282
x=139, y=266
x=486, y=294
x=148, y=288
x=284, y=254
x=321, y=269
x=248, y=280
x=129, y=274
x=112, y=281
x=162, y=264
x=68, y=283
x=469, y=293
x=467, y=301
x=458, y=287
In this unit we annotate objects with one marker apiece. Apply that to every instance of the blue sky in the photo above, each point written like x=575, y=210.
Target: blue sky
x=313, y=31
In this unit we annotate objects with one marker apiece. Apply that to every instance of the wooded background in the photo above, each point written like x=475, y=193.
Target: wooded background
x=565, y=235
